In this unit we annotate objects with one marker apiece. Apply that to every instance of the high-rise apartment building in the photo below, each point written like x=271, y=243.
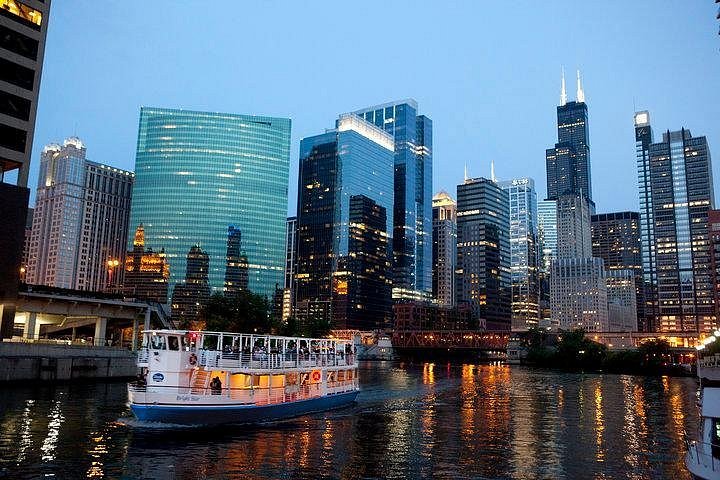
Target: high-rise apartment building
x=568, y=163
x=682, y=193
x=344, y=253
x=616, y=239
x=412, y=233
x=146, y=271
x=578, y=293
x=483, y=252
x=444, y=249
x=199, y=174
x=524, y=256
x=23, y=28
x=80, y=222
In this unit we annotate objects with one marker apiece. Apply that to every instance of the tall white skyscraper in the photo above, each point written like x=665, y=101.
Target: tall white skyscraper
x=444, y=249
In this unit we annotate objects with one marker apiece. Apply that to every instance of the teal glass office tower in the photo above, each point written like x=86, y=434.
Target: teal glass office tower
x=198, y=173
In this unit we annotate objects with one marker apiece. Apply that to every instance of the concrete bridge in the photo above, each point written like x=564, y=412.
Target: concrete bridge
x=60, y=311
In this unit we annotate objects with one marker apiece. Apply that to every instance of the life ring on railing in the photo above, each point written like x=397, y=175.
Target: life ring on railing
x=316, y=376
x=193, y=359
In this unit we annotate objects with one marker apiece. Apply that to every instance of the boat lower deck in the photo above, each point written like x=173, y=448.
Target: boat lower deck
x=224, y=413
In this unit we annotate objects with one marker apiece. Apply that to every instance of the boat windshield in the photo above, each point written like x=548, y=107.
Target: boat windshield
x=157, y=342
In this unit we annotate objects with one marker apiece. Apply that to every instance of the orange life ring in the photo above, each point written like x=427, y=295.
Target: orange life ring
x=316, y=376
x=193, y=359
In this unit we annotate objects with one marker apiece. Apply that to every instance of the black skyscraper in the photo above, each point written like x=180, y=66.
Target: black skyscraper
x=568, y=163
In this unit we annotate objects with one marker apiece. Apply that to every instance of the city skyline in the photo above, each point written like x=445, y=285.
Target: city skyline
x=529, y=89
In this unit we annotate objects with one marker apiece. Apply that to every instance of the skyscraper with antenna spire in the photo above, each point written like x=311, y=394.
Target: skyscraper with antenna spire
x=568, y=162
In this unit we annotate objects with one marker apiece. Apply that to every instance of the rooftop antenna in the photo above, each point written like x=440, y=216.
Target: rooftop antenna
x=492, y=171
x=563, y=93
x=580, y=93
x=466, y=174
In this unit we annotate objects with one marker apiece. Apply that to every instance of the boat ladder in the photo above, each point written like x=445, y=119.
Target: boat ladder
x=200, y=382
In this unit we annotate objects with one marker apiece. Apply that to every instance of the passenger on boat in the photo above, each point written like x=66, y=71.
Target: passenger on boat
x=216, y=386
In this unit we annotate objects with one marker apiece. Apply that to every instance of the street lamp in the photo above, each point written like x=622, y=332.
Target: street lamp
x=112, y=264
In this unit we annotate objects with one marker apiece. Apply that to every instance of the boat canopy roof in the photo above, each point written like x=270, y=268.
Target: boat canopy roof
x=197, y=333
x=711, y=402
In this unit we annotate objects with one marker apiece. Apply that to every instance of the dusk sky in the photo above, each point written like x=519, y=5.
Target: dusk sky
x=487, y=74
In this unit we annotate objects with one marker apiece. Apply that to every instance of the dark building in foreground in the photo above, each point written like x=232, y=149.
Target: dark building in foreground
x=345, y=208
x=616, y=239
x=192, y=295
x=682, y=194
x=483, y=252
x=23, y=28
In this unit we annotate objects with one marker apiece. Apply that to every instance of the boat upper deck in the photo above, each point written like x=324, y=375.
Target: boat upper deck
x=236, y=351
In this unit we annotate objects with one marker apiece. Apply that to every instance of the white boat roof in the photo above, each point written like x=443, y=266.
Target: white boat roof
x=711, y=402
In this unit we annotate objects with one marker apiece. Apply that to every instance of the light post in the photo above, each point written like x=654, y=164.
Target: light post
x=112, y=264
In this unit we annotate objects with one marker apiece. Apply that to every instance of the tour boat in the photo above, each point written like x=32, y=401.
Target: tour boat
x=703, y=455
x=210, y=378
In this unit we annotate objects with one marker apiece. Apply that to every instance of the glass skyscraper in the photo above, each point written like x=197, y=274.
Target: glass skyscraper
x=523, y=251
x=682, y=194
x=345, y=225
x=200, y=173
x=412, y=236
x=568, y=163
x=483, y=252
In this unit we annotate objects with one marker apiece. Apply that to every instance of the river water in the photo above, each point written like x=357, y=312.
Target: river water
x=411, y=421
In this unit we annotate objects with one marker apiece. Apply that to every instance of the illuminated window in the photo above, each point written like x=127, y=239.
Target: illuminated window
x=23, y=11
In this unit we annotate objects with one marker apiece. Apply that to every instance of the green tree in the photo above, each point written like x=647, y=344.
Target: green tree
x=244, y=312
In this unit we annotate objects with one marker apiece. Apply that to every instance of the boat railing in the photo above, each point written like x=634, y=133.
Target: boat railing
x=698, y=456
x=710, y=361
x=272, y=361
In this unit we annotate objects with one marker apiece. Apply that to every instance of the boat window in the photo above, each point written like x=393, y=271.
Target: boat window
x=157, y=342
x=173, y=343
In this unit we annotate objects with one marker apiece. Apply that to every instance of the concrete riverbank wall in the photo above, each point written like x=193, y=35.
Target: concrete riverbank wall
x=28, y=361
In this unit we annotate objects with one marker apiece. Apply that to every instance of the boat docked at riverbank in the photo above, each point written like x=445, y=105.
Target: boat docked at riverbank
x=209, y=378
x=703, y=455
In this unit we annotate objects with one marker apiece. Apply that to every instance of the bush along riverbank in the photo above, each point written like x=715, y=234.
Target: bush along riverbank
x=574, y=351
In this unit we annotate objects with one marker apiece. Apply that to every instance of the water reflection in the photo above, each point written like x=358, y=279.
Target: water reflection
x=411, y=421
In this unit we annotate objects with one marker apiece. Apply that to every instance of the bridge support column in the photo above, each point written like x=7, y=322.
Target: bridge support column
x=7, y=320
x=147, y=319
x=100, y=331
x=136, y=327
x=32, y=328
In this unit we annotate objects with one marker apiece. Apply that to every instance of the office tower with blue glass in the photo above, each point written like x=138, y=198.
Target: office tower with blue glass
x=444, y=249
x=412, y=233
x=682, y=193
x=568, y=162
x=524, y=256
x=201, y=173
x=483, y=278
x=547, y=234
x=345, y=226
